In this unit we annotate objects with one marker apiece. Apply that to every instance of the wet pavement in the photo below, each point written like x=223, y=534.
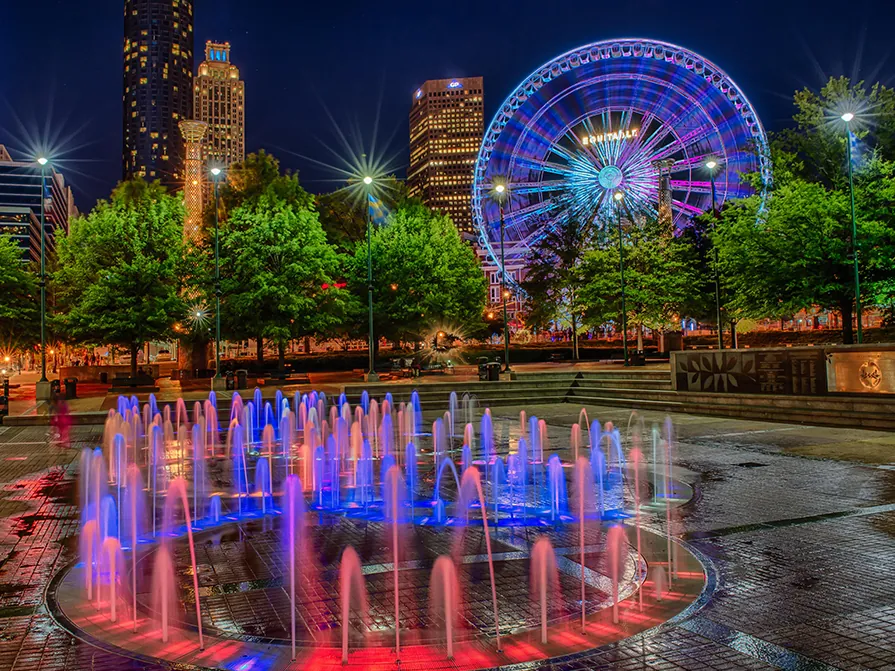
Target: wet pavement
x=803, y=548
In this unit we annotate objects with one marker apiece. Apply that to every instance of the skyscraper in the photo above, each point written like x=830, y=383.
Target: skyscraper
x=20, y=187
x=447, y=122
x=219, y=101
x=158, y=92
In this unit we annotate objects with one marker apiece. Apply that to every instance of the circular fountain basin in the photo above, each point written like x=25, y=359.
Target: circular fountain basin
x=246, y=613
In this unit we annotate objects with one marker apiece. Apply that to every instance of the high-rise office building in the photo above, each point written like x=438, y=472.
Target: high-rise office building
x=219, y=101
x=20, y=196
x=158, y=91
x=447, y=123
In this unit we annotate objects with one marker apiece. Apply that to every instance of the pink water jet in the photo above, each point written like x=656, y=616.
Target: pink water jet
x=472, y=480
x=543, y=576
x=616, y=544
x=351, y=584
x=444, y=597
x=585, y=501
x=111, y=562
x=177, y=493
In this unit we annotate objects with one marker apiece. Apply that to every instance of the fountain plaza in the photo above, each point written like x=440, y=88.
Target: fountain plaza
x=318, y=531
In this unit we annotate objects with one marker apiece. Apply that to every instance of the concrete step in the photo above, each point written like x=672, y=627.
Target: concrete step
x=825, y=411
x=649, y=383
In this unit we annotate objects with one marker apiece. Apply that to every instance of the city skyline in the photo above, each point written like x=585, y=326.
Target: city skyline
x=339, y=74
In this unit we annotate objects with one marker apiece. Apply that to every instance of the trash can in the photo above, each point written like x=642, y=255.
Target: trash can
x=71, y=387
x=242, y=379
x=493, y=371
x=104, y=378
x=230, y=381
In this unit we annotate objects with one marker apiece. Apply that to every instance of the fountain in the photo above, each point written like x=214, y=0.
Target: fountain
x=309, y=470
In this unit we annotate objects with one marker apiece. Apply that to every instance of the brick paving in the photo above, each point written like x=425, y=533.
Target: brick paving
x=803, y=548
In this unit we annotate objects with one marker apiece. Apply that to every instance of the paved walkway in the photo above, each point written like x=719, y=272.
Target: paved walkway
x=803, y=547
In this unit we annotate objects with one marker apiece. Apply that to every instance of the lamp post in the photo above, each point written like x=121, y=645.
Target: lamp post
x=501, y=192
x=42, y=388
x=711, y=165
x=371, y=374
x=215, y=175
x=848, y=117
x=619, y=196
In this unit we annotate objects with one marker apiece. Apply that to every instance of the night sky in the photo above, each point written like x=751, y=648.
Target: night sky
x=304, y=62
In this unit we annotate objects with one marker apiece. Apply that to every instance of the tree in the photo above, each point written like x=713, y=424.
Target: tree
x=117, y=279
x=19, y=297
x=280, y=276
x=555, y=276
x=423, y=275
x=662, y=271
x=799, y=253
x=817, y=144
x=344, y=216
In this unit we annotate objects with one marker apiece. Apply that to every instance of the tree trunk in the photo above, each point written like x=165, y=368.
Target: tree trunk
x=259, y=355
x=281, y=356
x=848, y=333
x=639, y=338
x=733, y=334
x=574, y=337
x=307, y=343
x=134, y=349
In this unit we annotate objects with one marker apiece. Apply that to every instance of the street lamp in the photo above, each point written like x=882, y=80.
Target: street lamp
x=215, y=176
x=500, y=193
x=848, y=117
x=619, y=196
x=711, y=164
x=42, y=388
x=368, y=183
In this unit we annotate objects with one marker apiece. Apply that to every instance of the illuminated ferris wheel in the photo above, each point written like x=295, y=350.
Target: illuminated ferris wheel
x=633, y=116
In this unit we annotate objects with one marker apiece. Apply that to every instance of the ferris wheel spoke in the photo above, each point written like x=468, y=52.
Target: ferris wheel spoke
x=686, y=208
x=527, y=188
x=690, y=186
x=546, y=166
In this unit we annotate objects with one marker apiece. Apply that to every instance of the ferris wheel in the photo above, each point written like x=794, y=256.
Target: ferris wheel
x=633, y=116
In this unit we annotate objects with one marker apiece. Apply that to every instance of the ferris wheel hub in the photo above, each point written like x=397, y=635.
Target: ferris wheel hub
x=610, y=177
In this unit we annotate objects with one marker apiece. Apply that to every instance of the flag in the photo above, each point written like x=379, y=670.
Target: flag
x=378, y=212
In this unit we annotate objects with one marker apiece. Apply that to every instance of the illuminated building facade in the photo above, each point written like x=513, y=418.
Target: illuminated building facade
x=194, y=178
x=20, y=195
x=158, y=91
x=447, y=121
x=219, y=101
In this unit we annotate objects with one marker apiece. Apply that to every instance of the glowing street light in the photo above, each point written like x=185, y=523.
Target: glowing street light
x=42, y=388
x=500, y=193
x=619, y=196
x=217, y=382
x=848, y=117
x=711, y=164
x=368, y=184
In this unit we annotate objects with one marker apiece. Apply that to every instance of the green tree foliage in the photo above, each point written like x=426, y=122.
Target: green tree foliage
x=555, y=277
x=661, y=272
x=117, y=281
x=817, y=144
x=423, y=275
x=275, y=263
x=19, y=297
x=343, y=213
x=799, y=254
